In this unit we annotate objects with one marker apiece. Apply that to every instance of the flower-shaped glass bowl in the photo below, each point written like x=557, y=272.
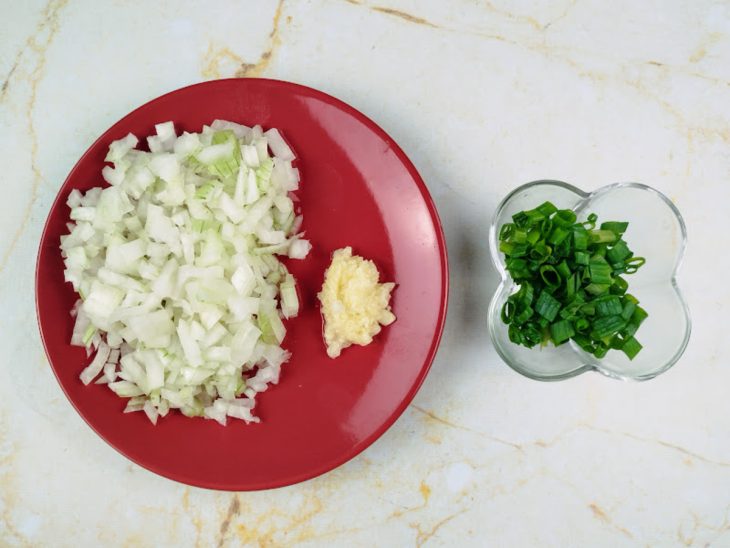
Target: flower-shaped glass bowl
x=656, y=231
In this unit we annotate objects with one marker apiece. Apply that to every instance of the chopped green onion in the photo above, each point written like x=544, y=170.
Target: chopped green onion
x=580, y=238
x=532, y=336
x=564, y=218
x=545, y=227
x=609, y=305
x=600, y=271
x=582, y=258
x=506, y=231
x=633, y=264
x=526, y=294
x=561, y=331
x=616, y=343
x=508, y=312
x=557, y=235
x=547, y=209
x=618, y=252
x=518, y=268
x=550, y=276
x=607, y=326
x=520, y=219
x=547, y=306
x=602, y=236
x=619, y=286
x=589, y=309
x=584, y=342
x=571, y=283
x=571, y=312
x=515, y=335
x=590, y=224
x=563, y=248
x=639, y=315
x=581, y=325
x=571, y=286
x=628, y=310
x=533, y=236
x=519, y=236
x=540, y=252
x=613, y=226
x=564, y=270
x=631, y=347
x=534, y=216
x=524, y=315
x=513, y=249
x=600, y=351
x=597, y=289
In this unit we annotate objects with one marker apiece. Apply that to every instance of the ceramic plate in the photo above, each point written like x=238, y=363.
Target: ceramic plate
x=358, y=189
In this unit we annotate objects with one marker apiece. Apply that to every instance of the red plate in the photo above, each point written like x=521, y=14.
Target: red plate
x=359, y=189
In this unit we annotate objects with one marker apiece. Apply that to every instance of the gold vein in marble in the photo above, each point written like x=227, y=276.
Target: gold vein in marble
x=597, y=512
x=489, y=6
x=258, y=68
x=541, y=47
x=194, y=519
x=584, y=426
x=431, y=416
x=531, y=21
x=601, y=515
x=6, y=83
x=423, y=536
x=698, y=524
x=425, y=490
x=233, y=510
x=403, y=15
x=701, y=51
x=267, y=529
x=662, y=443
x=524, y=19
x=568, y=8
x=249, y=519
x=8, y=494
x=215, y=59
x=37, y=44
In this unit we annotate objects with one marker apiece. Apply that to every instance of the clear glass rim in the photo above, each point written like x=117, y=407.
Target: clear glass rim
x=591, y=363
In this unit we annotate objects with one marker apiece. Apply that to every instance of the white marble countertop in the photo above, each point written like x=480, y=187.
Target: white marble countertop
x=483, y=96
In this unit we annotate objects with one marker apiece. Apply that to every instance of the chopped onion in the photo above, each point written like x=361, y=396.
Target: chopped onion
x=181, y=291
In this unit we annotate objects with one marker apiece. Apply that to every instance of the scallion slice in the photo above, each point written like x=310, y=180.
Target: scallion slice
x=631, y=347
x=547, y=306
x=561, y=331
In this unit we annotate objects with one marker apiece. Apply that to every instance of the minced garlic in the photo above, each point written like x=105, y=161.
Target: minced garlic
x=354, y=304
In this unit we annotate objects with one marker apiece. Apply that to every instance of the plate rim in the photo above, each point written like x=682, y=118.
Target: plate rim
x=358, y=448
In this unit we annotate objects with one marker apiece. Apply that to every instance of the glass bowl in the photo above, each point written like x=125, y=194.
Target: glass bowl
x=656, y=231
